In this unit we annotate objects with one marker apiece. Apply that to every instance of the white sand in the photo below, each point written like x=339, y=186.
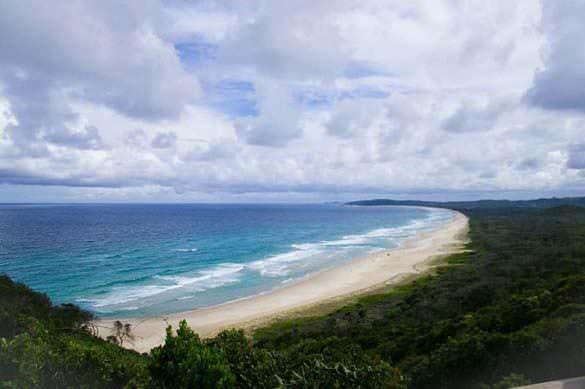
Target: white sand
x=358, y=276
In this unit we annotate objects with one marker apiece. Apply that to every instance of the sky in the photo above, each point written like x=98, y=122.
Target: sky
x=291, y=101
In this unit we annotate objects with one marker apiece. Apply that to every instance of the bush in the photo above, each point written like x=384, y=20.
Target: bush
x=185, y=362
x=49, y=361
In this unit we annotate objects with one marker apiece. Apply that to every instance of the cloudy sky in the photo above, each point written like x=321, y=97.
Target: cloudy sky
x=303, y=100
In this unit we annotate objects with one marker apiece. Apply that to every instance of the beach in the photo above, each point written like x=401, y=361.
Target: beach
x=349, y=279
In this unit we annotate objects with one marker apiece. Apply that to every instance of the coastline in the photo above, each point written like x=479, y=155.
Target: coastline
x=350, y=279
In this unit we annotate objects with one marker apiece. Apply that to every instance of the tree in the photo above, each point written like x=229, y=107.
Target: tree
x=121, y=332
x=184, y=361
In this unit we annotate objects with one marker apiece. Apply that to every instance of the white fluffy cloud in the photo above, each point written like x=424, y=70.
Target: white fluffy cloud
x=278, y=118
x=263, y=100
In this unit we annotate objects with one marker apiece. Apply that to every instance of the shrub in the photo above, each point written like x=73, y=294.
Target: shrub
x=186, y=362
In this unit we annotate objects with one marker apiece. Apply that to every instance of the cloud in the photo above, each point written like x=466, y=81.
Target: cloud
x=125, y=65
x=530, y=164
x=559, y=84
x=136, y=138
x=475, y=116
x=278, y=120
x=212, y=151
x=87, y=138
x=185, y=22
x=288, y=39
x=164, y=140
x=55, y=55
x=287, y=100
x=351, y=117
x=576, y=158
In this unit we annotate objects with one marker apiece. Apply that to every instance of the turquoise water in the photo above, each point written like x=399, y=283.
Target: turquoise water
x=142, y=260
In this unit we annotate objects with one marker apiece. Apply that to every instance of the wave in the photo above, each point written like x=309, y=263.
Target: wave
x=223, y=274
x=185, y=250
x=283, y=264
x=279, y=265
x=207, y=279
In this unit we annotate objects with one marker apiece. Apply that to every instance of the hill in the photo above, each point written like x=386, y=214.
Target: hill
x=484, y=204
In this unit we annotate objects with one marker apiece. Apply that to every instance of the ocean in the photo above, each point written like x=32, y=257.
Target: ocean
x=144, y=260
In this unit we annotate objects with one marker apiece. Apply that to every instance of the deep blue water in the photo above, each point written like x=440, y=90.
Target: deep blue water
x=140, y=260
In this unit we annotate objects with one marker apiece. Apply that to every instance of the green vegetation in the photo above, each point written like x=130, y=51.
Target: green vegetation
x=186, y=362
x=480, y=204
x=515, y=303
x=46, y=346
x=508, y=311
x=49, y=346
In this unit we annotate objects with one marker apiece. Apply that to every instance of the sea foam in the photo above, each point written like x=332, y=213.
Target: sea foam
x=218, y=276
x=282, y=264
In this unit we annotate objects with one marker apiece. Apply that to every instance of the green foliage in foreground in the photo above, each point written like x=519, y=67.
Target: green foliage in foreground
x=186, y=362
x=20, y=305
x=230, y=360
x=508, y=312
x=46, y=346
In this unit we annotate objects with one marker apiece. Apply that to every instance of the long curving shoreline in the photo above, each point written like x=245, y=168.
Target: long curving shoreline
x=356, y=277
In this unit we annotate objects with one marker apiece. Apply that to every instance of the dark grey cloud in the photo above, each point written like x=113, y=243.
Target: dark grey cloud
x=488, y=174
x=86, y=139
x=470, y=118
x=576, y=157
x=261, y=132
x=560, y=84
x=210, y=184
x=26, y=176
x=529, y=164
x=23, y=177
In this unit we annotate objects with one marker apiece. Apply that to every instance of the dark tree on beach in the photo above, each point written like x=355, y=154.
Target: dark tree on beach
x=121, y=333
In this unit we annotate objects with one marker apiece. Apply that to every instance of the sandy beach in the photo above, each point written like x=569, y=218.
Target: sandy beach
x=356, y=277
